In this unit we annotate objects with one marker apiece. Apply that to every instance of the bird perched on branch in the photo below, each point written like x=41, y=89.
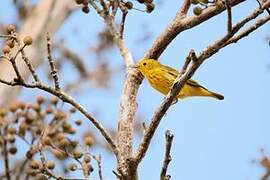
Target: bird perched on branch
x=162, y=77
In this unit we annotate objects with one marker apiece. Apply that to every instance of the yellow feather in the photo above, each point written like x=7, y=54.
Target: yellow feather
x=162, y=77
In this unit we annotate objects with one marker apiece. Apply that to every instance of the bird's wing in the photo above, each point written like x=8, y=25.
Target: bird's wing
x=171, y=71
x=194, y=84
x=175, y=73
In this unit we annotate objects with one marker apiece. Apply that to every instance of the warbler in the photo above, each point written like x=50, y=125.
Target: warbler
x=162, y=77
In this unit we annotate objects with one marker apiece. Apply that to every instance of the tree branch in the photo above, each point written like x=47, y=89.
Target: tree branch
x=52, y=65
x=182, y=79
x=179, y=25
x=229, y=13
x=167, y=158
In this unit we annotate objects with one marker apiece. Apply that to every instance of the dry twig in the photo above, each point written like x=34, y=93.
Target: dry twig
x=167, y=157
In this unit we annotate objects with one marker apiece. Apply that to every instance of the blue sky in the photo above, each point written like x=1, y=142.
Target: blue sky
x=213, y=139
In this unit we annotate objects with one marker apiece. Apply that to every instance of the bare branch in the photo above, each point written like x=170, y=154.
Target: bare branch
x=29, y=65
x=179, y=25
x=260, y=5
x=167, y=158
x=98, y=160
x=15, y=67
x=52, y=64
x=229, y=13
x=184, y=9
x=122, y=25
x=249, y=30
x=191, y=57
x=182, y=79
x=65, y=98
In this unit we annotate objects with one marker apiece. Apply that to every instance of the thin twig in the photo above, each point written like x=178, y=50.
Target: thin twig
x=7, y=36
x=122, y=25
x=191, y=57
x=14, y=65
x=98, y=160
x=52, y=64
x=167, y=157
x=184, y=9
x=229, y=14
x=249, y=30
x=260, y=5
x=29, y=65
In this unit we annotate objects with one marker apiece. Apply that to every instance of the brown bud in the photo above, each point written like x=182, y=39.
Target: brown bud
x=72, y=110
x=27, y=40
x=3, y=112
x=40, y=99
x=129, y=5
x=79, y=1
x=219, y=4
x=34, y=164
x=12, y=130
x=54, y=100
x=78, y=122
x=49, y=110
x=85, y=2
x=59, y=154
x=72, y=167
x=13, y=150
x=47, y=141
x=64, y=142
x=23, y=127
x=30, y=153
x=77, y=154
x=89, y=141
x=67, y=126
x=11, y=138
x=150, y=7
x=60, y=136
x=50, y=164
x=197, y=10
x=71, y=130
x=10, y=28
x=86, y=9
x=60, y=115
x=10, y=43
x=74, y=143
x=87, y=158
x=6, y=49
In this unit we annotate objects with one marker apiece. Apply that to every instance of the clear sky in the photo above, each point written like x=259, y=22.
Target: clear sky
x=214, y=140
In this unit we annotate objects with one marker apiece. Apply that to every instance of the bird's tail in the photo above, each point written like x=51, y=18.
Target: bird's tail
x=217, y=96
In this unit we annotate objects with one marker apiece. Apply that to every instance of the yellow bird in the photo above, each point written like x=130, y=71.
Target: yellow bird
x=162, y=77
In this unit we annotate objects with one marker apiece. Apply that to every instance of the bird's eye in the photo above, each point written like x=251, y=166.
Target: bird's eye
x=144, y=64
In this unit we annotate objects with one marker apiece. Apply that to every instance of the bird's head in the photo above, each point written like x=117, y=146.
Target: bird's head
x=145, y=65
